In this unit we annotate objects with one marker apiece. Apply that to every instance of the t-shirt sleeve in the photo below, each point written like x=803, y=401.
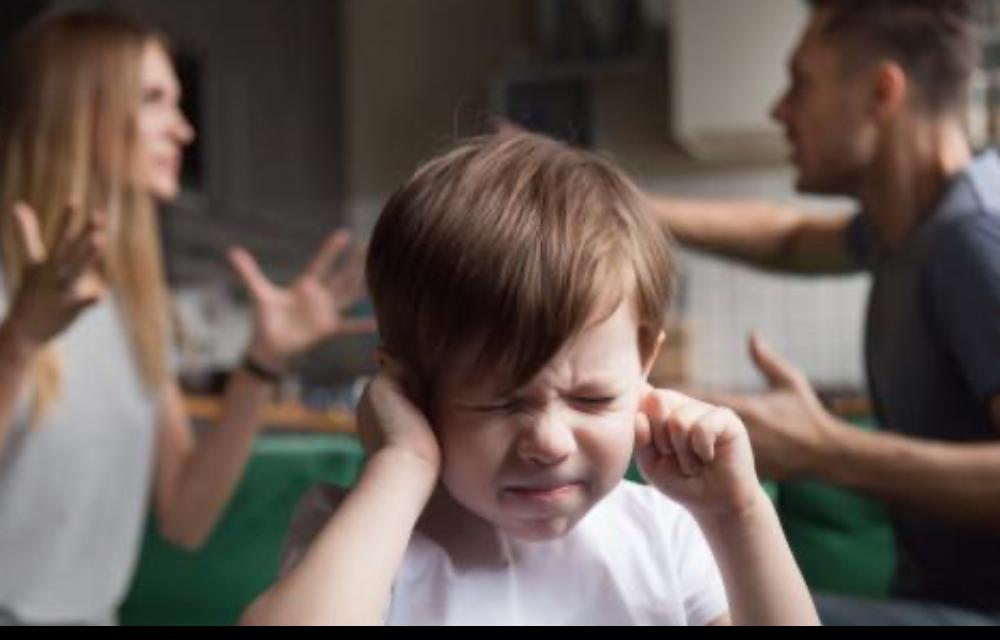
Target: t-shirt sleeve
x=964, y=284
x=858, y=240
x=313, y=512
x=702, y=590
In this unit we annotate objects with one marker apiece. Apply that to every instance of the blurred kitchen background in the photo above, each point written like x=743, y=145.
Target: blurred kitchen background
x=310, y=111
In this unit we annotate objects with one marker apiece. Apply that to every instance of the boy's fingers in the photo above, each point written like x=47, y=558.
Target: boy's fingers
x=643, y=436
x=684, y=421
x=704, y=437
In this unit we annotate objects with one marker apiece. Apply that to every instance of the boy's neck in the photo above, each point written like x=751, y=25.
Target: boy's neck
x=468, y=540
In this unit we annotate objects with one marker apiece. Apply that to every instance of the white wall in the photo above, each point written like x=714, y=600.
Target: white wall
x=415, y=78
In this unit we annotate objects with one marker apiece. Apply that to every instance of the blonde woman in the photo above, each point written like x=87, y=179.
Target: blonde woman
x=92, y=424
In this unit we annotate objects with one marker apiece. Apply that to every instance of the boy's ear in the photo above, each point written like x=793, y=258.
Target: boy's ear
x=647, y=366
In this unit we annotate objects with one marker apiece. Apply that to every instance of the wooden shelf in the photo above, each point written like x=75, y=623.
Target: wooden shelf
x=284, y=416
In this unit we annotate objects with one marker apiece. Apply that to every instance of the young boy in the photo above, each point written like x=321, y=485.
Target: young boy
x=520, y=290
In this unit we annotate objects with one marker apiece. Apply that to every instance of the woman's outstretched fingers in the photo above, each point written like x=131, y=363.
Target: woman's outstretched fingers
x=326, y=257
x=29, y=234
x=248, y=272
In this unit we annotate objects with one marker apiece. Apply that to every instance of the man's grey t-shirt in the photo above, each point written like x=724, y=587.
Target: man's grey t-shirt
x=74, y=489
x=932, y=352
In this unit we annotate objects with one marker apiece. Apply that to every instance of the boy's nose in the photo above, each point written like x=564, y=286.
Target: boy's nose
x=547, y=442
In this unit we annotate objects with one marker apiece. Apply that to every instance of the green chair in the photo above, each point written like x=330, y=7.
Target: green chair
x=213, y=585
x=842, y=540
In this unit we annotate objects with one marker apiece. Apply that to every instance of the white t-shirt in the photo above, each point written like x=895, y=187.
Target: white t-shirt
x=74, y=489
x=636, y=559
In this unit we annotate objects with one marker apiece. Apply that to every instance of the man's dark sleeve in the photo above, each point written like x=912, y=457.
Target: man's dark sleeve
x=858, y=240
x=964, y=279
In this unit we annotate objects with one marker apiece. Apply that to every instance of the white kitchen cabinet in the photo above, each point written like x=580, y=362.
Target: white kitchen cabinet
x=728, y=65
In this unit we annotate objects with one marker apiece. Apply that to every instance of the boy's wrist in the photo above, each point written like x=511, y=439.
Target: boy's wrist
x=419, y=471
x=745, y=515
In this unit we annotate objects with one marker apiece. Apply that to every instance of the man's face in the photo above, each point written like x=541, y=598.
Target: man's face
x=824, y=113
x=532, y=462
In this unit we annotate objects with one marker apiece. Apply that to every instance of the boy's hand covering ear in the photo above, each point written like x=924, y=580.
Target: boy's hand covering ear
x=696, y=453
x=389, y=418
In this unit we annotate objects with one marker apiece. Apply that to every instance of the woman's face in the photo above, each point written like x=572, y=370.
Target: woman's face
x=162, y=130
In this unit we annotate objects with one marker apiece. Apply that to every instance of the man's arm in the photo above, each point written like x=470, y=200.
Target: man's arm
x=766, y=235
x=960, y=482
x=794, y=436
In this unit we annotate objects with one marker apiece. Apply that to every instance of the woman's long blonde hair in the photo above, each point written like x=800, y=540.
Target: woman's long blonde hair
x=69, y=100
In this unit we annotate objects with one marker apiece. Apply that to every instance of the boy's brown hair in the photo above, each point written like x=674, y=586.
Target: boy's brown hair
x=512, y=243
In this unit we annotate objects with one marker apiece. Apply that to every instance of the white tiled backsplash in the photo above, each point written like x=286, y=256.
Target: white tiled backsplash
x=815, y=322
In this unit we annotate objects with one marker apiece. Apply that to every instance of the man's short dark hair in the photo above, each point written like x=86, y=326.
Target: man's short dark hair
x=934, y=41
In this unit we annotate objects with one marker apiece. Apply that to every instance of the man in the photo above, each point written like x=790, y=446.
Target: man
x=875, y=111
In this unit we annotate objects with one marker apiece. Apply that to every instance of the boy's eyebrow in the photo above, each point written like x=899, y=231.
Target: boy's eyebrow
x=480, y=398
x=482, y=404
x=609, y=381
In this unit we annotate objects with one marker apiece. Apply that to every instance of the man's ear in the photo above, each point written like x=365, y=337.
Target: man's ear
x=891, y=89
x=647, y=366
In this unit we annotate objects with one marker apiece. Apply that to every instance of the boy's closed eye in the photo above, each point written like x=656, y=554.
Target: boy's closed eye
x=593, y=403
x=502, y=406
x=589, y=402
x=594, y=396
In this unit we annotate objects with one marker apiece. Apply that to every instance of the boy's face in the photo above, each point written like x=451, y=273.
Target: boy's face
x=534, y=461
